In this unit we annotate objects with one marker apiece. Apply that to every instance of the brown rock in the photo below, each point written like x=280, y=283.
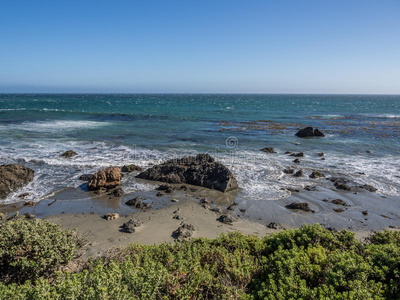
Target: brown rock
x=13, y=177
x=111, y=216
x=268, y=150
x=108, y=178
x=316, y=174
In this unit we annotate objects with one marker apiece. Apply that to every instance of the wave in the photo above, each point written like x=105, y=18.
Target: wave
x=53, y=126
x=259, y=176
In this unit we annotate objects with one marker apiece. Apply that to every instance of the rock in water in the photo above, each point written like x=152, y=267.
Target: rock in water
x=131, y=168
x=13, y=177
x=69, y=154
x=268, y=150
x=201, y=170
x=301, y=206
x=316, y=174
x=309, y=132
x=108, y=178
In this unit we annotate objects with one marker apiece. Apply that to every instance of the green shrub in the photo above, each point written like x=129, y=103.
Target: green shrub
x=307, y=263
x=30, y=249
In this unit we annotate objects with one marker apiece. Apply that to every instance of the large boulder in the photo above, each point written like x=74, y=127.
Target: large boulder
x=201, y=170
x=13, y=177
x=108, y=178
x=309, y=132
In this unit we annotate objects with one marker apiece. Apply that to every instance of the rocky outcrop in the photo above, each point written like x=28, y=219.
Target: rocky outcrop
x=309, y=132
x=131, y=168
x=183, y=232
x=13, y=177
x=108, y=178
x=227, y=219
x=201, y=170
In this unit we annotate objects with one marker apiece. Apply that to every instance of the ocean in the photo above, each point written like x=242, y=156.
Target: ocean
x=362, y=139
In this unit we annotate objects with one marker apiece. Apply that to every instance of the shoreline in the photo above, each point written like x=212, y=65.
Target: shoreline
x=68, y=209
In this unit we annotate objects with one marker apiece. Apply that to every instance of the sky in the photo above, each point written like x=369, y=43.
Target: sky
x=322, y=46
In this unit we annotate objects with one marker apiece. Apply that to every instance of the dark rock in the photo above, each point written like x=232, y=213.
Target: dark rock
x=288, y=171
x=297, y=161
x=369, y=188
x=342, y=186
x=317, y=174
x=292, y=190
x=268, y=150
x=183, y=232
x=299, y=173
x=326, y=200
x=201, y=170
x=318, y=133
x=159, y=194
x=69, y=154
x=131, y=168
x=177, y=217
x=339, y=202
x=130, y=225
x=216, y=209
x=310, y=188
x=309, y=132
x=300, y=154
x=204, y=200
x=137, y=203
x=30, y=203
x=13, y=177
x=108, y=178
x=338, y=180
x=301, y=206
x=339, y=210
x=86, y=177
x=320, y=154
x=365, y=212
x=116, y=192
x=24, y=195
x=273, y=225
x=288, y=152
x=227, y=219
x=166, y=188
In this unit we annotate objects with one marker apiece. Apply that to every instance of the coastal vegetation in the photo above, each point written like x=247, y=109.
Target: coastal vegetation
x=311, y=262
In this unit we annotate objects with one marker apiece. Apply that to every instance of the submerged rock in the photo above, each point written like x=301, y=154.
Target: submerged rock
x=316, y=174
x=13, y=177
x=301, y=206
x=108, y=178
x=69, y=154
x=288, y=171
x=299, y=173
x=86, y=177
x=339, y=202
x=309, y=132
x=166, y=188
x=369, y=188
x=201, y=170
x=137, y=203
x=300, y=154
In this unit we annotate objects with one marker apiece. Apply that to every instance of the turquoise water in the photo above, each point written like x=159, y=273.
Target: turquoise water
x=362, y=136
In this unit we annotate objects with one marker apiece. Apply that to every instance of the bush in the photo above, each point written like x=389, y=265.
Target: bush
x=307, y=263
x=30, y=249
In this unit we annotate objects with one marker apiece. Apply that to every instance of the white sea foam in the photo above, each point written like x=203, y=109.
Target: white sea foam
x=53, y=126
x=259, y=176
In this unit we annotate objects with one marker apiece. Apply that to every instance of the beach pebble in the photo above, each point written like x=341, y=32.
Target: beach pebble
x=111, y=216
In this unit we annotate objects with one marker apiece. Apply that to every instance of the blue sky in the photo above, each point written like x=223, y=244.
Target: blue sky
x=200, y=46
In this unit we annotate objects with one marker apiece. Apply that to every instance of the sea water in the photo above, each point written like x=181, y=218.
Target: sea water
x=361, y=143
